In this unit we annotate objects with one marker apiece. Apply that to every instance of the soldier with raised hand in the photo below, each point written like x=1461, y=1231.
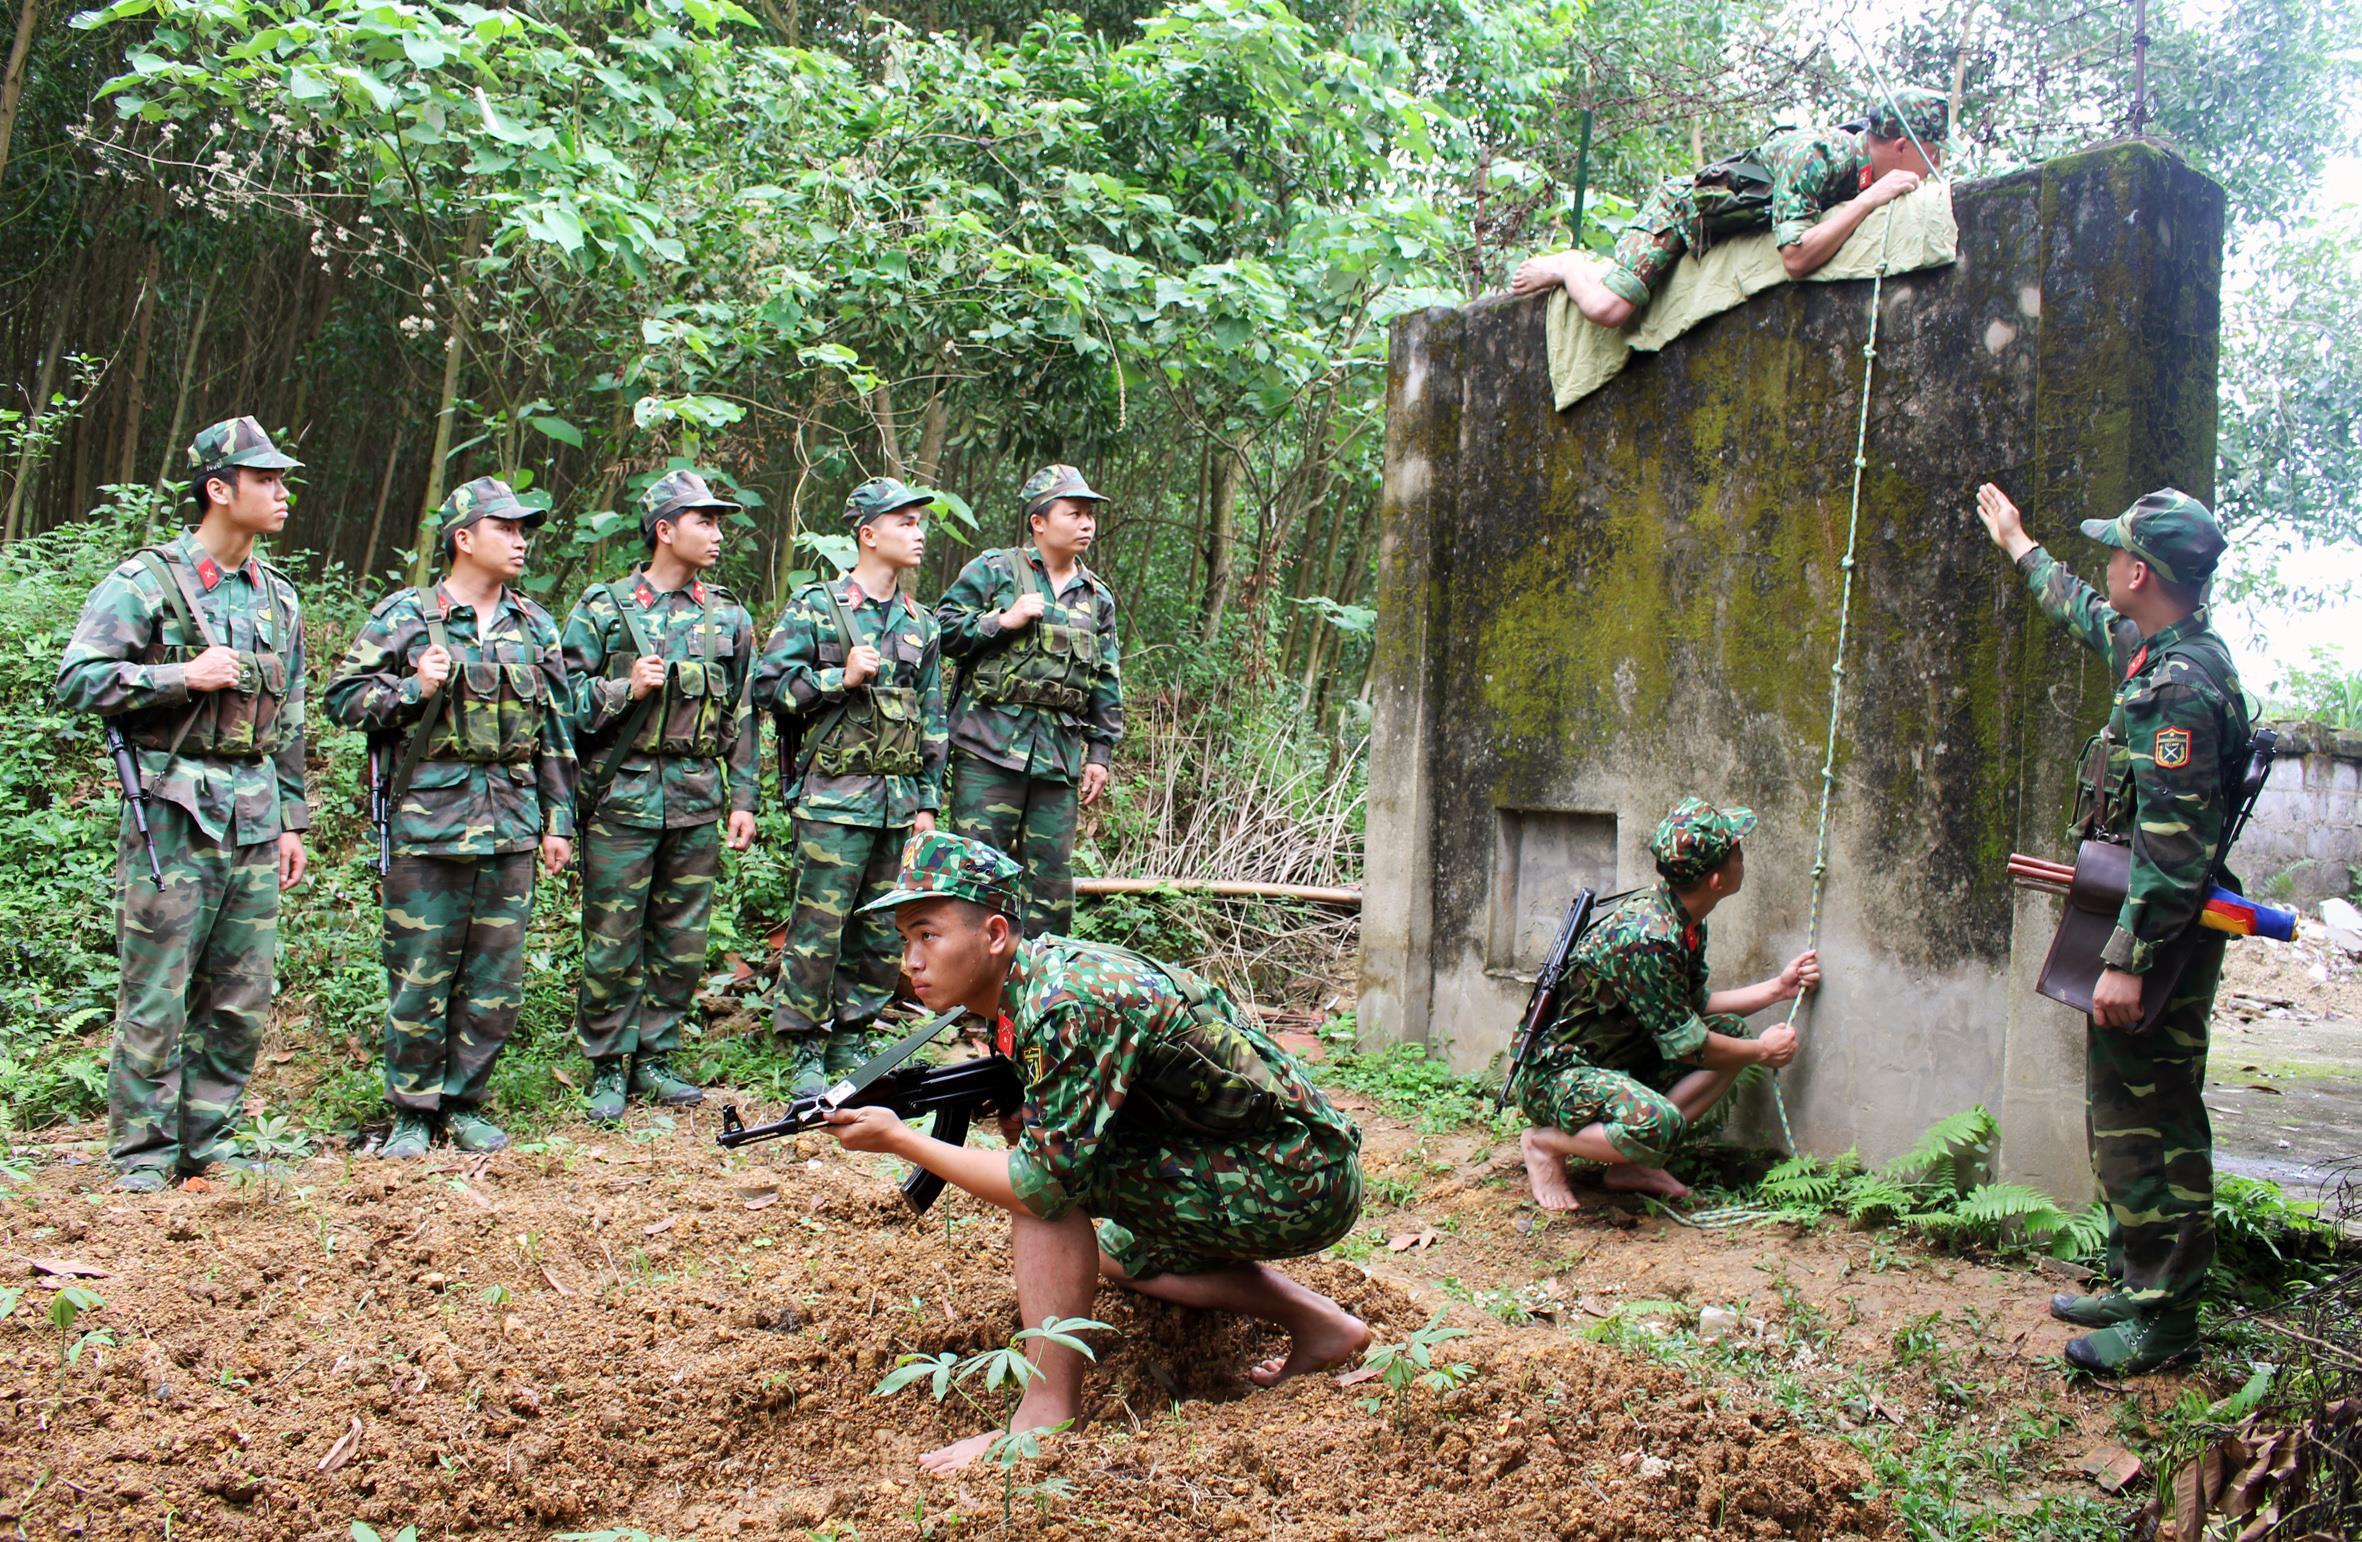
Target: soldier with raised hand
x=1640, y=1049
x=854, y=675
x=466, y=681
x=1040, y=703
x=1166, y=1144
x=1811, y=187
x=661, y=662
x=2160, y=778
x=193, y=649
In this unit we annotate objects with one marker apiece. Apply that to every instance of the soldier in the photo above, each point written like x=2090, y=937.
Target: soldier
x=465, y=684
x=194, y=650
x=2160, y=777
x=1153, y=1108
x=1812, y=187
x=1040, y=702
x=855, y=676
x=1640, y=1050
x=660, y=662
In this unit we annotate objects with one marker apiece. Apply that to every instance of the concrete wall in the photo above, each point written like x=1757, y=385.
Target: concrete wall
x=1585, y=615
x=2308, y=823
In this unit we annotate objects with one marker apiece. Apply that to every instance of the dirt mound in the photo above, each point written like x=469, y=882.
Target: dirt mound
x=640, y=1331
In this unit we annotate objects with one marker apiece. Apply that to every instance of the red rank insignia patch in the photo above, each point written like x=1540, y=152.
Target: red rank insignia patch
x=2173, y=748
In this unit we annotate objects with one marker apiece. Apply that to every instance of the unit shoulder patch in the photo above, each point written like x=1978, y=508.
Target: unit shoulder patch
x=2172, y=749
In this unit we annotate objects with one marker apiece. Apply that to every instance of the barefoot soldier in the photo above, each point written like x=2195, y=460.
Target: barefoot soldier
x=854, y=675
x=1811, y=187
x=660, y=661
x=468, y=679
x=2159, y=777
x=1040, y=704
x=1640, y=1049
x=194, y=650
x=1153, y=1108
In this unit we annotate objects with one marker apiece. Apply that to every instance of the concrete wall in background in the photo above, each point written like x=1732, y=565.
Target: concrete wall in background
x=1585, y=615
x=2308, y=823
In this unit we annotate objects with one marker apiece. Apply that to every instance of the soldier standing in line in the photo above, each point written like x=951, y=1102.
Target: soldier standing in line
x=660, y=662
x=467, y=679
x=1811, y=187
x=1166, y=1143
x=194, y=650
x=855, y=677
x=1040, y=703
x=1640, y=1049
x=2160, y=777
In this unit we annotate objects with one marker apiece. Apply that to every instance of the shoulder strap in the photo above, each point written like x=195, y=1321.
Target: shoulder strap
x=414, y=750
x=177, y=596
x=1028, y=581
x=836, y=608
x=627, y=609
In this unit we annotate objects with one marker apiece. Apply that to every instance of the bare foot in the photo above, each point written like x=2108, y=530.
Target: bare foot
x=960, y=1453
x=1536, y=274
x=1635, y=1179
x=1339, y=1337
x=1545, y=1174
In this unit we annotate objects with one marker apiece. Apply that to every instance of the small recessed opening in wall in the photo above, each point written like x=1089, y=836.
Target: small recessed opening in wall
x=1540, y=857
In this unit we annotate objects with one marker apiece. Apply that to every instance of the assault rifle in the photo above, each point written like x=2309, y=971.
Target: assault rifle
x=135, y=796
x=381, y=801
x=1541, y=1008
x=953, y=1093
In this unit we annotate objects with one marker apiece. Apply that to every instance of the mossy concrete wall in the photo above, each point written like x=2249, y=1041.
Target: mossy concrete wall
x=1585, y=615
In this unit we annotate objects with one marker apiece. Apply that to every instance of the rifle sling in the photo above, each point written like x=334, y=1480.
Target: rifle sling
x=414, y=749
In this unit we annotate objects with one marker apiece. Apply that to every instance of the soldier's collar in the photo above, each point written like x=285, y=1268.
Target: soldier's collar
x=856, y=596
x=646, y=594
x=2189, y=625
x=1033, y=554
x=209, y=572
x=445, y=603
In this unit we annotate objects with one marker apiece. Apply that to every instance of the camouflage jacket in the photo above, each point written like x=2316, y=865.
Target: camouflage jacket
x=457, y=808
x=802, y=673
x=2161, y=775
x=1812, y=172
x=238, y=801
x=1634, y=995
x=1042, y=743
x=661, y=792
x=1082, y=1025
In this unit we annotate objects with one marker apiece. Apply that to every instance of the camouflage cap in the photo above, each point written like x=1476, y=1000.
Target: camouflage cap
x=676, y=493
x=882, y=495
x=484, y=498
x=1925, y=114
x=939, y=865
x=2170, y=531
x=1696, y=838
x=1055, y=482
x=237, y=442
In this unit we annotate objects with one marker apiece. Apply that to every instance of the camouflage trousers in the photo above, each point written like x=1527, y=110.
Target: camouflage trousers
x=2152, y=1146
x=1652, y=241
x=197, y=959
x=1030, y=819
x=647, y=902
x=1634, y=1113
x=1185, y=1204
x=840, y=968
x=455, y=973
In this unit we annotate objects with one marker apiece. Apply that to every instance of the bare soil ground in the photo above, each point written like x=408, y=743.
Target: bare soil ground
x=636, y=1329
x=2285, y=1079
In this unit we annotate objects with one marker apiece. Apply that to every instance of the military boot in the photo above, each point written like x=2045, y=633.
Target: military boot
x=653, y=1079
x=471, y=1131
x=141, y=1180
x=807, y=1070
x=410, y=1136
x=2093, y=1311
x=847, y=1049
x=609, y=1079
x=2145, y=1342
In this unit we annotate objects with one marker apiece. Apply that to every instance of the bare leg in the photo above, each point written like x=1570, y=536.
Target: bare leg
x=1546, y=1152
x=1057, y=1264
x=1693, y=1095
x=1579, y=273
x=1320, y=1332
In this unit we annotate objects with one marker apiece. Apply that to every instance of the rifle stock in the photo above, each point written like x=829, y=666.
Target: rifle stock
x=135, y=796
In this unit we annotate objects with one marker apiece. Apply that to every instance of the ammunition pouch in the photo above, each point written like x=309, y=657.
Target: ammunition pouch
x=495, y=714
x=877, y=735
x=238, y=722
x=1051, y=664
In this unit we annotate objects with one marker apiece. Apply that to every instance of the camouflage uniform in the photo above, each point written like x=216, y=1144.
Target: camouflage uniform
x=651, y=842
x=497, y=775
x=2159, y=777
x=224, y=777
x=1632, y=1008
x=1017, y=762
x=1808, y=172
x=1152, y=1102
x=869, y=762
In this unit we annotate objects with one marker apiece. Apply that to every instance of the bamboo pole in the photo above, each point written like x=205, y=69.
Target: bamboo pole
x=1221, y=889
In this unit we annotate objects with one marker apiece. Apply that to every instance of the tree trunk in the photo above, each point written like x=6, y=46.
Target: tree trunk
x=188, y=372
x=1968, y=22
x=12, y=84
x=385, y=490
x=1221, y=530
x=931, y=432
x=447, y=403
x=43, y=381
x=143, y=332
x=881, y=412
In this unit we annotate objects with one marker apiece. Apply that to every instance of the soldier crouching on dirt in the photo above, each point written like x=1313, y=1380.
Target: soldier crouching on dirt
x=1640, y=1050
x=1152, y=1107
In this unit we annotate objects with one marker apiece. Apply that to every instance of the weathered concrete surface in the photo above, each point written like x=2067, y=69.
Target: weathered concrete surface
x=1585, y=615
x=2308, y=823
